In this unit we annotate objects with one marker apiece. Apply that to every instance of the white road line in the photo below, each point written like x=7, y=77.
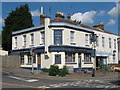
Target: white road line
x=22, y=79
x=43, y=87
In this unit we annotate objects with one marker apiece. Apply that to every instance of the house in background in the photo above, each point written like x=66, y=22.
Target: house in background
x=2, y=52
x=64, y=42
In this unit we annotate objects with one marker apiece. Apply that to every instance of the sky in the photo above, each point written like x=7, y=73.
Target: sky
x=89, y=13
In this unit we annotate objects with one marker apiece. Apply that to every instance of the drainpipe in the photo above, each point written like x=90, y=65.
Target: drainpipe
x=47, y=37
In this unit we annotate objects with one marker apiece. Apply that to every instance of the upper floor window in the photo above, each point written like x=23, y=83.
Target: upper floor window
x=57, y=36
x=109, y=42
x=15, y=41
x=24, y=40
x=32, y=39
x=114, y=43
x=103, y=42
x=86, y=39
x=71, y=36
x=42, y=37
x=97, y=41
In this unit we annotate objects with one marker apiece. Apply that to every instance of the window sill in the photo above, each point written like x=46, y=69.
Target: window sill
x=41, y=43
x=28, y=64
x=88, y=63
x=73, y=43
x=31, y=45
x=70, y=63
x=15, y=47
x=87, y=45
x=23, y=46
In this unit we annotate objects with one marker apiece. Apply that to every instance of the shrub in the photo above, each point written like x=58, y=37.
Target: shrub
x=54, y=70
x=45, y=70
x=63, y=71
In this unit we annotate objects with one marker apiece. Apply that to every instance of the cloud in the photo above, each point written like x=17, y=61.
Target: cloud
x=1, y=21
x=114, y=11
x=35, y=13
x=111, y=22
x=85, y=18
x=101, y=13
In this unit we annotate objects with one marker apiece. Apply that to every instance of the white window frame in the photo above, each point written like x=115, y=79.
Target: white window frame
x=72, y=35
x=42, y=38
x=15, y=42
x=97, y=41
x=110, y=46
x=69, y=57
x=22, y=59
x=86, y=39
x=114, y=43
x=24, y=40
x=103, y=41
x=32, y=38
x=87, y=58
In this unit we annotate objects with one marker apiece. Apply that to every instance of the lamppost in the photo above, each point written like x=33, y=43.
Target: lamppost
x=32, y=57
x=94, y=40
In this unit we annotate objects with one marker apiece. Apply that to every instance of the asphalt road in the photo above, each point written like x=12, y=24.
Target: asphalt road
x=11, y=81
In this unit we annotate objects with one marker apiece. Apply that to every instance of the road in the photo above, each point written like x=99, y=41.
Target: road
x=11, y=81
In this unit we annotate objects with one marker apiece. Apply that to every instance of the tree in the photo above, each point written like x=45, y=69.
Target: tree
x=16, y=20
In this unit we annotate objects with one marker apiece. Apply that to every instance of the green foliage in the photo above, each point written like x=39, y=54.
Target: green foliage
x=54, y=70
x=63, y=71
x=16, y=20
x=45, y=70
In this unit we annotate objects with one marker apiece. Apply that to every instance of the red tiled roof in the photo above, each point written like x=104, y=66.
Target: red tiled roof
x=57, y=19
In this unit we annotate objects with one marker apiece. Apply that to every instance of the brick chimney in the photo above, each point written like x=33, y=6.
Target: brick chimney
x=101, y=26
x=68, y=17
x=60, y=15
x=42, y=17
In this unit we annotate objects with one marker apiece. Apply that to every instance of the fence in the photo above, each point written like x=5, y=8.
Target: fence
x=12, y=61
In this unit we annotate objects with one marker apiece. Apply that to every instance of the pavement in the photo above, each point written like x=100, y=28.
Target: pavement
x=76, y=76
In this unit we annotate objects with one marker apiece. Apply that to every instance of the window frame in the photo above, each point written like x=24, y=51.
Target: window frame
x=15, y=42
x=69, y=57
x=110, y=46
x=24, y=40
x=42, y=37
x=103, y=41
x=87, y=58
x=32, y=39
x=72, y=36
x=58, y=36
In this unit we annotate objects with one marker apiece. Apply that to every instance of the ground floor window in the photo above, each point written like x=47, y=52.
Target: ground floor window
x=22, y=59
x=69, y=57
x=29, y=59
x=87, y=57
x=57, y=58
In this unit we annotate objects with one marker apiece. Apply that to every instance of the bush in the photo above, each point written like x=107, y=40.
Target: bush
x=63, y=71
x=45, y=70
x=54, y=70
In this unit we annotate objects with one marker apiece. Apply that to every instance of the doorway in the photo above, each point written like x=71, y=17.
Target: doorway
x=79, y=61
x=39, y=61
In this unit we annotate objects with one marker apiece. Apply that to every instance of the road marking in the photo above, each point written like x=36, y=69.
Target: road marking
x=22, y=79
x=17, y=85
x=43, y=87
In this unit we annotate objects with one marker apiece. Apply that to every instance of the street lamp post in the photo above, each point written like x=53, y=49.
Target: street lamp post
x=32, y=57
x=94, y=40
